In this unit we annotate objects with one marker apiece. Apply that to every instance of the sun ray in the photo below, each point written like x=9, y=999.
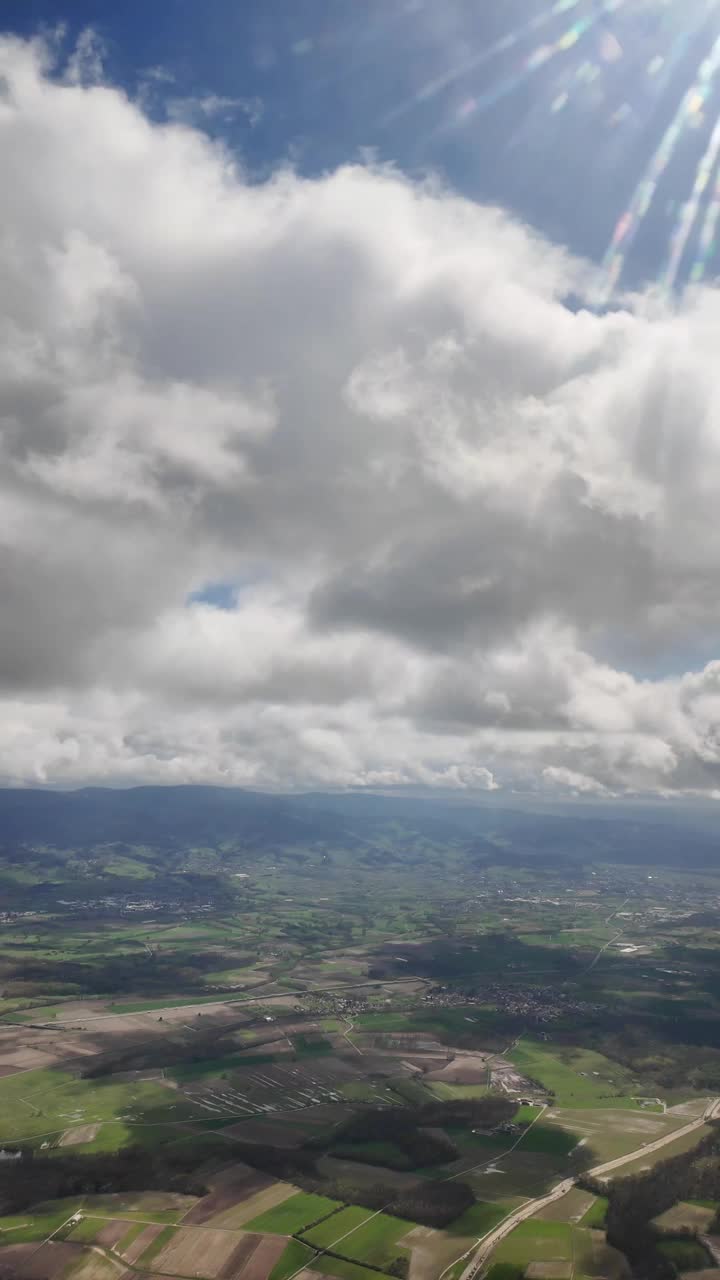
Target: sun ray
x=707, y=242
x=534, y=62
x=433, y=87
x=691, y=209
x=628, y=224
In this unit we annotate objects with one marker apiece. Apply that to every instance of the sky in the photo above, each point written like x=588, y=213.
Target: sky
x=359, y=406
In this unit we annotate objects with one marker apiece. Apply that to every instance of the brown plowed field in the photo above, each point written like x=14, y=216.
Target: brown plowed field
x=226, y=1192
x=262, y=1261
x=239, y=1256
x=245, y=1210
x=45, y=1263
x=141, y=1242
x=111, y=1233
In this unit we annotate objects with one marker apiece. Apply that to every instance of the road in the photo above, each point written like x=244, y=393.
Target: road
x=206, y=1004
x=602, y=951
x=711, y=1112
x=488, y=1243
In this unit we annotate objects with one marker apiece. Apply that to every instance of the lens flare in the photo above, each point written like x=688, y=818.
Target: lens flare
x=690, y=211
x=630, y=221
x=540, y=57
x=599, y=74
x=436, y=86
x=707, y=242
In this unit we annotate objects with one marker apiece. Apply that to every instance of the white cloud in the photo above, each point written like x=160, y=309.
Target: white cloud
x=201, y=108
x=447, y=499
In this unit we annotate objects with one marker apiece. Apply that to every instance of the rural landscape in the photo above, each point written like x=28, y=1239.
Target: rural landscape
x=246, y=1037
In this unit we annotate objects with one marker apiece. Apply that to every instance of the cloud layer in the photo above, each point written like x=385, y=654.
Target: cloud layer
x=448, y=512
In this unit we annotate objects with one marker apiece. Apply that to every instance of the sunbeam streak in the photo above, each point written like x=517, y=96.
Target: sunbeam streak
x=690, y=211
x=629, y=223
x=436, y=86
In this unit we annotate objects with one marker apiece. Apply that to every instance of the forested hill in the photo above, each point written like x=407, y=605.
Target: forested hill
x=178, y=817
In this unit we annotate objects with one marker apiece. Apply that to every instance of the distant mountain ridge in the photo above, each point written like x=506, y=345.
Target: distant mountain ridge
x=181, y=816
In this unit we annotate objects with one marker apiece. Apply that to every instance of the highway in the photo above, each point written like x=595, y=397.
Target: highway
x=488, y=1243
x=205, y=1004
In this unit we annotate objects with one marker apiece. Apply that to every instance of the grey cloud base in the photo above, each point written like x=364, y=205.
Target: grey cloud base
x=444, y=500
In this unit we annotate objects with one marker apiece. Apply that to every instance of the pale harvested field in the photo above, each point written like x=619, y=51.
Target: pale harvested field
x=93, y=1266
x=692, y=1217
x=569, y=1208
x=80, y=1133
x=247, y=1245
x=279, y=1001
x=194, y=1252
x=431, y=1251
x=110, y=1233
x=262, y=1261
x=141, y=1242
x=24, y=1059
x=251, y=1206
x=691, y=1110
x=143, y=1203
x=22, y=1048
x=612, y=1132
x=684, y=1143
x=462, y=1070
x=404, y=986
x=556, y=1270
x=648, y=1125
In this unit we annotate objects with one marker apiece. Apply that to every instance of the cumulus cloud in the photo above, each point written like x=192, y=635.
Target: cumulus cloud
x=457, y=516
x=204, y=107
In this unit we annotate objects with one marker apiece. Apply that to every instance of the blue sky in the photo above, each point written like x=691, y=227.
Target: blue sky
x=560, y=141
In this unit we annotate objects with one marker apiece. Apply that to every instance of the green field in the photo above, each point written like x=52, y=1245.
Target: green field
x=43, y=1104
x=332, y=1229
x=342, y=1268
x=448, y=1092
x=596, y=1214
x=536, y=1241
x=380, y=1153
x=141, y=1206
x=290, y=1217
x=38, y=1222
x=686, y=1255
x=576, y=1077
x=478, y=1220
x=549, y=1140
x=157, y=1246
x=296, y=1255
x=362, y=1236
